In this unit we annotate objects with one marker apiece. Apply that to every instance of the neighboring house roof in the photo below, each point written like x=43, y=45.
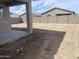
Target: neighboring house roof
x=35, y=14
x=14, y=15
x=58, y=9
x=11, y=15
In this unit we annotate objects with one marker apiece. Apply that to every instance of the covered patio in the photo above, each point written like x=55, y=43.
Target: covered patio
x=6, y=33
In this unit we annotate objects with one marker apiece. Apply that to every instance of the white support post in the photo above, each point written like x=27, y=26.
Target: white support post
x=29, y=17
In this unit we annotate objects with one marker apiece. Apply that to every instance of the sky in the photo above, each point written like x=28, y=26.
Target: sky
x=41, y=6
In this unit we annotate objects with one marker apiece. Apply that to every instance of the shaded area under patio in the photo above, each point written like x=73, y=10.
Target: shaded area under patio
x=40, y=44
x=11, y=35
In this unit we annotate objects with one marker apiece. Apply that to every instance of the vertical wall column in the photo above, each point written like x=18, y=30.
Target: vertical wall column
x=6, y=15
x=6, y=12
x=29, y=17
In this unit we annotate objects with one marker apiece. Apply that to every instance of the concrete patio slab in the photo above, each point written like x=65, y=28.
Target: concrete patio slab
x=12, y=35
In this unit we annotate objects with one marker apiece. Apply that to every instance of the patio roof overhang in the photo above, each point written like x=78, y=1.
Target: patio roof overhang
x=12, y=2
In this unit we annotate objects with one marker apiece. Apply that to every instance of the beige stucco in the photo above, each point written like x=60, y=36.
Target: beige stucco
x=69, y=19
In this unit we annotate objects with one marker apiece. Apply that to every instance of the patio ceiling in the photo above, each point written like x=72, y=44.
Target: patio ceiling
x=2, y=1
x=12, y=2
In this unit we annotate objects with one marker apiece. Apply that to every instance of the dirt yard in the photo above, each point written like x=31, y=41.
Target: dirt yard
x=49, y=41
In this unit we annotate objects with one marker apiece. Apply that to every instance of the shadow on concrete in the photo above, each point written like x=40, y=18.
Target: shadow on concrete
x=42, y=44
